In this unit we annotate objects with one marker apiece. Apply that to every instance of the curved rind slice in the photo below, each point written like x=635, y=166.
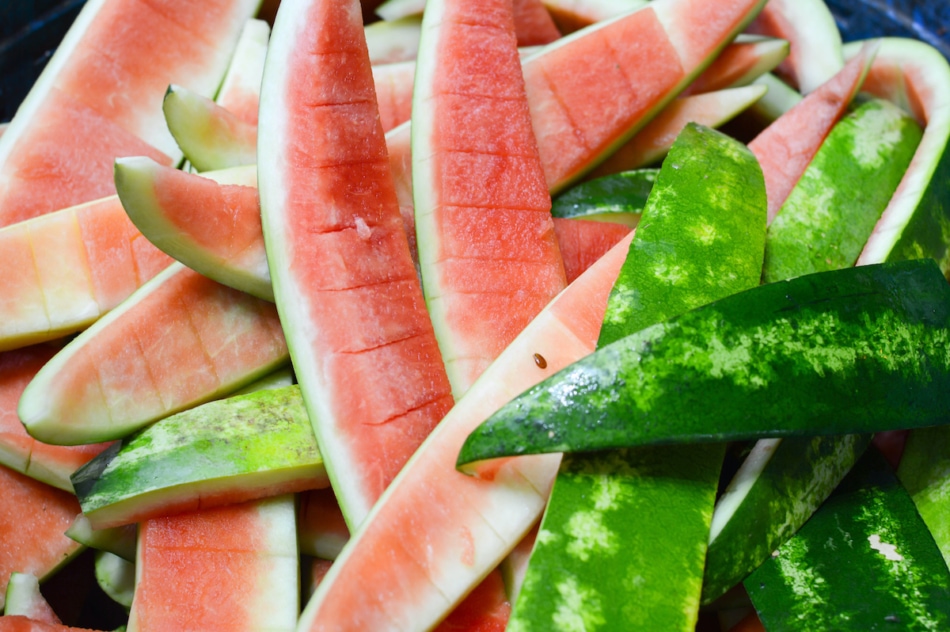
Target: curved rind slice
x=347, y=292
x=232, y=450
x=210, y=136
x=180, y=340
x=916, y=222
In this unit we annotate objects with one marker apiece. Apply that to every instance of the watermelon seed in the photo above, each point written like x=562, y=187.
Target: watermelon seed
x=540, y=361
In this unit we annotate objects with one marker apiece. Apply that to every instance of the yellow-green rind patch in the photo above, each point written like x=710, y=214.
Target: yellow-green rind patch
x=831, y=212
x=864, y=561
x=240, y=443
x=925, y=472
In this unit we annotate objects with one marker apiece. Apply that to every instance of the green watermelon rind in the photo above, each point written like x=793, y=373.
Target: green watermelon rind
x=917, y=221
x=617, y=198
x=116, y=577
x=864, y=342
x=864, y=561
x=248, y=444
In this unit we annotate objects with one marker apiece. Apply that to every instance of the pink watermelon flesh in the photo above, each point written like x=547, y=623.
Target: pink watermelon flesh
x=65, y=269
x=785, y=148
x=583, y=242
x=180, y=341
x=221, y=569
x=470, y=522
x=533, y=24
x=18, y=623
x=394, y=92
x=361, y=339
x=485, y=609
x=33, y=519
x=732, y=67
x=105, y=99
x=18, y=450
x=491, y=260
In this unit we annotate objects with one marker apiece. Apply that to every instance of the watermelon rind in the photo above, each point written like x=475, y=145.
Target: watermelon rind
x=616, y=198
x=864, y=561
x=842, y=334
x=830, y=213
x=116, y=577
x=924, y=471
x=395, y=9
x=778, y=99
x=916, y=223
x=394, y=40
x=116, y=540
x=41, y=405
x=239, y=448
x=588, y=518
x=243, y=77
x=135, y=183
x=23, y=598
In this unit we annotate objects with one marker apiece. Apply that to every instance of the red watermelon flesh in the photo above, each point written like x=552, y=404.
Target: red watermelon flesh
x=485, y=609
x=224, y=569
x=33, y=520
x=360, y=338
x=785, y=148
x=19, y=451
x=100, y=97
x=470, y=522
x=394, y=92
x=533, y=24
x=583, y=242
x=739, y=64
x=321, y=528
x=63, y=270
x=487, y=250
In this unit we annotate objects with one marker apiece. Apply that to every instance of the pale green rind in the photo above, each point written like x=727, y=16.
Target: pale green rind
x=396, y=9
x=23, y=597
x=590, y=11
x=816, y=49
x=395, y=40
x=652, y=143
x=244, y=446
x=827, y=218
x=278, y=379
x=916, y=223
x=778, y=99
x=135, y=182
x=210, y=138
x=117, y=540
x=116, y=577
x=925, y=472
x=777, y=488
x=244, y=73
x=770, y=52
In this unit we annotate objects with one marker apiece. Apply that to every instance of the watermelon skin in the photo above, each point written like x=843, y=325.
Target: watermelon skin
x=233, y=450
x=863, y=314
x=225, y=569
x=475, y=521
x=828, y=216
x=346, y=286
x=102, y=91
x=864, y=561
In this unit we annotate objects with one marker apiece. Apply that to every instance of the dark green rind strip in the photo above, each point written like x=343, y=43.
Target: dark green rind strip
x=831, y=212
x=238, y=438
x=595, y=564
x=864, y=561
x=799, y=476
x=619, y=198
x=870, y=346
